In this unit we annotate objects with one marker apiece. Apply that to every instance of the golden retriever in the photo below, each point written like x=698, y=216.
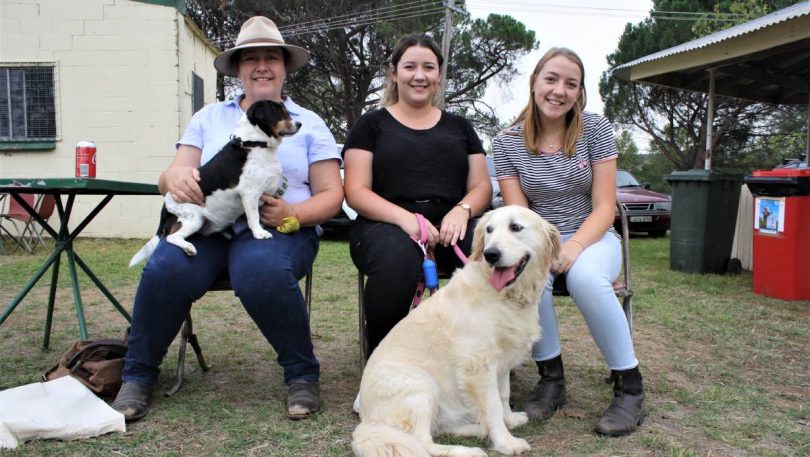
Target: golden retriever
x=445, y=367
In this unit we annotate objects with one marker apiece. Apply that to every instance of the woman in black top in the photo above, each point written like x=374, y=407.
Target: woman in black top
x=410, y=157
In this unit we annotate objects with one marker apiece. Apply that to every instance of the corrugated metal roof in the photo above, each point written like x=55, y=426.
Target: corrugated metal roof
x=797, y=10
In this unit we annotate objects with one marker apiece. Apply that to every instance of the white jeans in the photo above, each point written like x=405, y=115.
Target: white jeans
x=590, y=282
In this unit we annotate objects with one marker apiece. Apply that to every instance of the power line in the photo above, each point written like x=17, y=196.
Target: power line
x=354, y=16
x=508, y=7
x=367, y=17
x=427, y=8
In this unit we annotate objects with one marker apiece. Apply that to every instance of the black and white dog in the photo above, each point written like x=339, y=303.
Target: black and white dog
x=232, y=181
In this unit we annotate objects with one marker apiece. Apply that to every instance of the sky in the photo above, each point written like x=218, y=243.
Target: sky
x=591, y=28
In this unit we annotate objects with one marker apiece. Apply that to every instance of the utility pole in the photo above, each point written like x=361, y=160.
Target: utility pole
x=448, y=36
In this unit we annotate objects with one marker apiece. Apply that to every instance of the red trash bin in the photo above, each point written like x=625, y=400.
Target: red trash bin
x=781, y=232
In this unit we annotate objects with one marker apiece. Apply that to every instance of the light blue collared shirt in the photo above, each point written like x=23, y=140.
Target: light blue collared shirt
x=211, y=127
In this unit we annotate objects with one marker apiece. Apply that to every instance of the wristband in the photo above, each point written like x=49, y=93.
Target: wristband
x=289, y=224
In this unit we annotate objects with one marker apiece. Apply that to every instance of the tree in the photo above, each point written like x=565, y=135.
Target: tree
x=629, y=158
x=350, y=41
x=676, y=120
x=647, y=168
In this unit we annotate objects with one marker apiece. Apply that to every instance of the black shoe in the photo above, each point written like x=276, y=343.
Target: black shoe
x=303, y=399
x=133, y=400
x=549, y=394
x=626, y=411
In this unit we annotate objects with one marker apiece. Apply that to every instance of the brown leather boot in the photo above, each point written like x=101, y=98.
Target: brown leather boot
x=626, y=411
x=549, y=394
x=133, y=400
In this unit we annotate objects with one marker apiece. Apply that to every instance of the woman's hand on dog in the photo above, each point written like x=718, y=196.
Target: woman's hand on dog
x=274, y=210
x=182, y=182
x=569, y=252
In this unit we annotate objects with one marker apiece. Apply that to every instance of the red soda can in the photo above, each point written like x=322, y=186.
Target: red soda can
x=86, y=159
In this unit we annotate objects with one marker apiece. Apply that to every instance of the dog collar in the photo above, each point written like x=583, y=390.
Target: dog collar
x=248, y=144
x=254, y=144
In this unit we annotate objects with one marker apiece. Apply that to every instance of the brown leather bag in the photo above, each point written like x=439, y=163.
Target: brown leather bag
x=96, y=363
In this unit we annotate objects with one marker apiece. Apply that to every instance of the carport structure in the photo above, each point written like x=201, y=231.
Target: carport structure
x=763, y=60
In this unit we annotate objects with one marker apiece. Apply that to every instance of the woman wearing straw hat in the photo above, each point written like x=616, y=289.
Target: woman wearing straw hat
x=264, y=273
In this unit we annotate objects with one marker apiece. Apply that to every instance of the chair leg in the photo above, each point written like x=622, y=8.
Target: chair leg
x=187, y=336
x=308, y=292
x=361, y=318
x=627, y=306
x=181, y=359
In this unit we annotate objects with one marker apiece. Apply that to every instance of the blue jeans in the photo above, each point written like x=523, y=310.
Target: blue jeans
x=590, y=283
x=264, y=275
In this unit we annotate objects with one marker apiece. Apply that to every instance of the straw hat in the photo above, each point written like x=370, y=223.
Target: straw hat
x=260, y=32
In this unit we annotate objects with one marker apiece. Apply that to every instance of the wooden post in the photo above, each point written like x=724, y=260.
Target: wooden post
x=448, y=35
x=710, y=122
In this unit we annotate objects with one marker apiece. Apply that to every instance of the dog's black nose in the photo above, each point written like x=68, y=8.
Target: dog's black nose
x=492, y=255
x=297, y=125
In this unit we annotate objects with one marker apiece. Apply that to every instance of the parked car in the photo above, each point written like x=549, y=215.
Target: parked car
x=342, y=220
x=497, y=198
x=647, y=210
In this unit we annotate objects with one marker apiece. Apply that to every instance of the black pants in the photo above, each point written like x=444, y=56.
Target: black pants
x=392, y=263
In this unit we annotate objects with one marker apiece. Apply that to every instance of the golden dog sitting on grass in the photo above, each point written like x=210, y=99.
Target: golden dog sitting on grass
x=445, y=367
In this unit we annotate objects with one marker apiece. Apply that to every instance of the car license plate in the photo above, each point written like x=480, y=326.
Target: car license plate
x=641, y=219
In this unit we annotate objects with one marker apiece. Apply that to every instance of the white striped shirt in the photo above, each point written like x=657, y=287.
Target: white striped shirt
x=557, y=187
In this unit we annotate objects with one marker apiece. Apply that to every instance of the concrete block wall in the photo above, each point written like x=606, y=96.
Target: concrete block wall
x=122, y=72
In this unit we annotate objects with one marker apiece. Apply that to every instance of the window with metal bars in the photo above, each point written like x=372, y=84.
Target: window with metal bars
x=197, y=92
x=27, y=103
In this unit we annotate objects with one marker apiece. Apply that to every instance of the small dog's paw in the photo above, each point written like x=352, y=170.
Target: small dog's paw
x=512, y=446
x=262, y=234
x=515, y=419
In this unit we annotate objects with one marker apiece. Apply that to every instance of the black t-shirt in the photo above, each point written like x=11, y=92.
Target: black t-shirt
x=415, y=165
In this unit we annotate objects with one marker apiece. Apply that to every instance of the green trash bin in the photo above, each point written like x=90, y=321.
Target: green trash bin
x=704, y=215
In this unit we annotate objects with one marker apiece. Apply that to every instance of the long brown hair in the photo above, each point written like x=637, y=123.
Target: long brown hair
x=390, y=94
x=530, y=116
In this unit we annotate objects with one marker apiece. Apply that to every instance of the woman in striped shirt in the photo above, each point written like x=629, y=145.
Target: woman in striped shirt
x=560, y=162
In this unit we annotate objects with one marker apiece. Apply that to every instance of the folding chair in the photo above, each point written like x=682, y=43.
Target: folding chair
x=622, y=287
x=28, y=230
x=3, y=198
x=187, y=335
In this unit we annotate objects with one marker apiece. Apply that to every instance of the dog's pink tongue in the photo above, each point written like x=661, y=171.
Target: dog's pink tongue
x=501, y=277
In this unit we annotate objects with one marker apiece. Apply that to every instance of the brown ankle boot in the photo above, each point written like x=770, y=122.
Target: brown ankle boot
x=626, y=411
x=549, y=394
x=133, y=400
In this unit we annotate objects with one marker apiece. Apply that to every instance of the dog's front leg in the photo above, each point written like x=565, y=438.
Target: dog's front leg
x=493, y=416
x=251, y=204
x=511, y=418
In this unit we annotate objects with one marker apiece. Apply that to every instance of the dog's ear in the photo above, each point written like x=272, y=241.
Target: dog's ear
x=478, y=237
x=552, y=241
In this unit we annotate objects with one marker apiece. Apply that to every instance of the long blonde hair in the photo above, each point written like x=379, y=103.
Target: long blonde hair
x=390, y=94
x=530, y=116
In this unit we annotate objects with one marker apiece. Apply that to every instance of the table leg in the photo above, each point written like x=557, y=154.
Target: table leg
x=77, y=296
x=102, y=288
x=51, y=300
x=64, y=243
x=29, y=286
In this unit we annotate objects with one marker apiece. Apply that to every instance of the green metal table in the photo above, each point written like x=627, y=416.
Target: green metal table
x=68, y=188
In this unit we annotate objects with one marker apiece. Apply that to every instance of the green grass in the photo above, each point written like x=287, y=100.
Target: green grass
x=727, y=372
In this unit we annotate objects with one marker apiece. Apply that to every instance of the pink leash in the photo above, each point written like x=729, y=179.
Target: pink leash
x=428, y=262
